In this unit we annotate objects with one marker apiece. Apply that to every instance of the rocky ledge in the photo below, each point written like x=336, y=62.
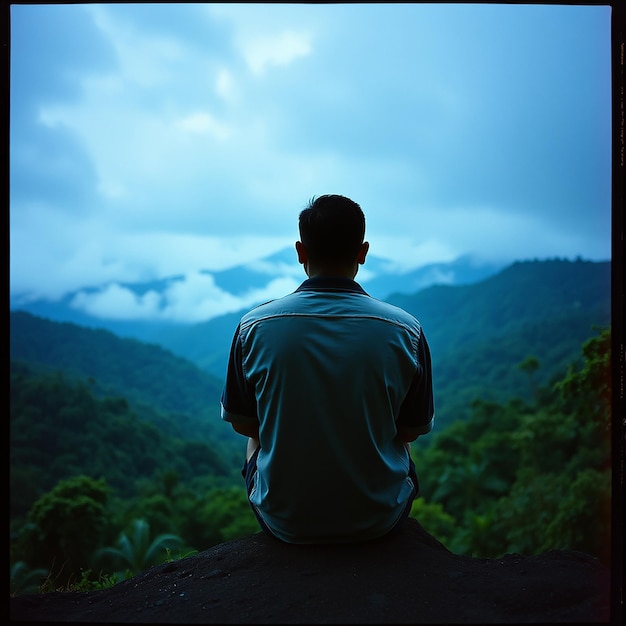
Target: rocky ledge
x=406, y=577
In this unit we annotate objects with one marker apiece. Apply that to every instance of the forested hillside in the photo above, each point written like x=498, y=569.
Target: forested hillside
x=85, y=401
x=479, y=334
x=59, y=429
x=513, y=477
x=151, y=378
x=504, y=336
x=115, y=442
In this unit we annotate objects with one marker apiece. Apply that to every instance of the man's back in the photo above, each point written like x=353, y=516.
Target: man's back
x=330, y=386
x=330, y=369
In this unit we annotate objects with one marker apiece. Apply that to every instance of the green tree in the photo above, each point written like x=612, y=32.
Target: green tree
x=561, y=497
x=460, y=486
x=26, y=580
x=137, y=551
x=475, y=536
x=530, y=365
x=157, y=510
x=586, y=391
x=69, y=522
x=520, y=478
x=434, y=519
x=169, y=478
x=223, y=514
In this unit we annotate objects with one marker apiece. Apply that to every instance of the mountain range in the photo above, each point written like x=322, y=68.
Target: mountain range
x=479, y=333
x=240, y=284
x=87, y=404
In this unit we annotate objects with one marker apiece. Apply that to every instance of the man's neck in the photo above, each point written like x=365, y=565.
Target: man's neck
x=332, y=272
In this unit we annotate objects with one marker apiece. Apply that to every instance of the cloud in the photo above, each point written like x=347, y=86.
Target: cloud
x=118, y=303
x=192, y=298
x=273, y=269
x=503, y=236
x=51, y=165
x=276, y=50
x=202, y=122
x=149, y=141
x=48, y=262
x=225, y=85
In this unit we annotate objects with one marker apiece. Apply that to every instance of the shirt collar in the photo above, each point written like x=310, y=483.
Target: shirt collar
x=331, y=283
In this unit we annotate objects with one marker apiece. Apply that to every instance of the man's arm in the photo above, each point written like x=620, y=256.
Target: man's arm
x=407, y=435
x=238, y=405
x=249, y=430
x=417, y=412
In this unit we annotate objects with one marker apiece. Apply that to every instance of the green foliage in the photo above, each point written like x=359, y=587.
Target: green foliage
x=507, y=474
x=137, y=551
x=530, y=365
x=223, y=514
x=59, y=429
x=520, y=478
x=159, y=511
x=84, y=583
x=145, y=374
x=551, y=511
x=587, y=390
x=104, y=581
x=23, y=579
x=434, y=519
x=540, y=309
x=68, y=523
x=49, y=583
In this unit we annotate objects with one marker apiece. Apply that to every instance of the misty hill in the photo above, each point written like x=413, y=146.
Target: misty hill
x=510, y=461
x=478, y=333
x=61, y=428
x=156, y=382
x=86, y=401
x=379, y=276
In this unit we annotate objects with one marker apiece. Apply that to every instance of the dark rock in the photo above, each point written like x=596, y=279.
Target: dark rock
x=406, y=577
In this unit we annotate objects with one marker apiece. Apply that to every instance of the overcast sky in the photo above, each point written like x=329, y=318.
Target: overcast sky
x=150, y=140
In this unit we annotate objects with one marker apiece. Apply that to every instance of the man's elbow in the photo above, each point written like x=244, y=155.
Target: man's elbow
x=411, y=434
x=407, y=437
x=248, y=430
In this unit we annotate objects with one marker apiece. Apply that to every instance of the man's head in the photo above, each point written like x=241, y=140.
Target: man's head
x=332, y=229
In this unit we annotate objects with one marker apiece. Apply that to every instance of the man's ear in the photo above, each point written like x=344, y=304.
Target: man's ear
x=302, y=255
x=365, y=246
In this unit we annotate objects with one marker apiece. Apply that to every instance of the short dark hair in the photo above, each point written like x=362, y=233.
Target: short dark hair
x=332, y=229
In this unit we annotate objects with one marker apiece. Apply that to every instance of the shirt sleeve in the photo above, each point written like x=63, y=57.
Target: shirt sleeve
x=417, y=413
x=238, y=402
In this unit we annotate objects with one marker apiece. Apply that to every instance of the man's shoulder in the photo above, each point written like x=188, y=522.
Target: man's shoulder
x=356, y=305
x=269, y=307
x=393, y=312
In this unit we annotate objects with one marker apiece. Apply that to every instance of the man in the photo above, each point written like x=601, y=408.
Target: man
x=330, y=385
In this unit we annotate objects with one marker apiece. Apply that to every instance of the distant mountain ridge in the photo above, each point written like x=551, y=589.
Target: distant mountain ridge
x=531, y=292
x=145, y=418
x=377, y=276
x=520, y=296
x=478, y=334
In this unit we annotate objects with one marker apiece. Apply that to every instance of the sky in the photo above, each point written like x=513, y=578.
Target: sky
x=153, y=140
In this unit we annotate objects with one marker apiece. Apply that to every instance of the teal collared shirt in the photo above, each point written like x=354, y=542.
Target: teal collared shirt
x=330, y=373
